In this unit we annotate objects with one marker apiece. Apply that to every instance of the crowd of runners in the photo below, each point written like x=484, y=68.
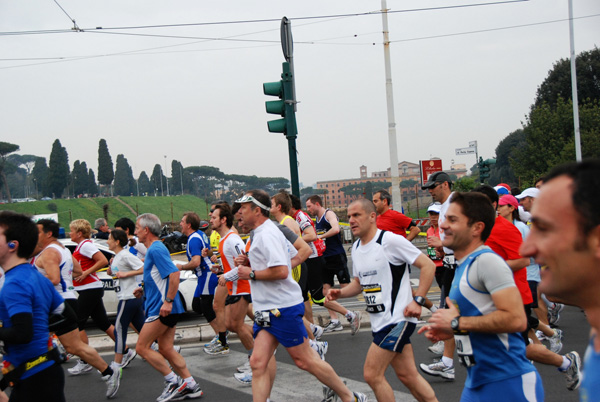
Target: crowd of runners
x=504, y=261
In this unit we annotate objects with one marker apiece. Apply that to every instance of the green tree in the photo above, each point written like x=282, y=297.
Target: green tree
x=58, y=169
x=80, y=178
x=92, y=185
x=180, y=180
x=502, y=171
x=124, y=181
x=158, y=180
x=144, y=183
x=558, y=82
x=465, y=183
x=106, y=173
x=550, y=139
x=408, y=183
x=40, y=175
x=6, y=148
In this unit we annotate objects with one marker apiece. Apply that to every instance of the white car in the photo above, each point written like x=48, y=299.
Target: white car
x=187, y=284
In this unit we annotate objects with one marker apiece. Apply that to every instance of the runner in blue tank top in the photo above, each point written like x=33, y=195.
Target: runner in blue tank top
x=484, y=311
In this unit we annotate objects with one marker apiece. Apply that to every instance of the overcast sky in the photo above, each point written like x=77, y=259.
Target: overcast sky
x=194, y=93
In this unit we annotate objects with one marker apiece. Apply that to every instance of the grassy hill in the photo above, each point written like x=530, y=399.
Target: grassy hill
x=166, y=208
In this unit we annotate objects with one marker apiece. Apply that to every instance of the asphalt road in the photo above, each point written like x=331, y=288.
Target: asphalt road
x=346, y=354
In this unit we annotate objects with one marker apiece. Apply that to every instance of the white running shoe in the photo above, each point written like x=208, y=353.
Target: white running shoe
x=437, y=348
x=128, y=357
x=540, y=335
x=171, y=389
x=555, y=342
x=438, y=369
x=80, y=368
x=217, y=349
x=188, y=393
x=245, y=368
x=320, y=347
x=354, y=323
x=113, y=381
x=333, y=327
x=573, y=372
x=244, y=378
x=317, y=332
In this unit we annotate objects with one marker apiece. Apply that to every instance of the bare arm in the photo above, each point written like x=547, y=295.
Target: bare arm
x=77, y=271
x=427, y=268
x=304, y=252
x=50, y=262
x=414, y=232
x=167, y=307
x=335, y=225
x=309, y=234
x=352, y=289
x=275, y=273
x=192, y=264
x=518, y=264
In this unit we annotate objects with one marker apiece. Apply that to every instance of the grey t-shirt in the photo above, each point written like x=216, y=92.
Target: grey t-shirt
x=489, y=272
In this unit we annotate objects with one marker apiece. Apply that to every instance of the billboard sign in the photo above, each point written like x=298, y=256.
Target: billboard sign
x=428, y=167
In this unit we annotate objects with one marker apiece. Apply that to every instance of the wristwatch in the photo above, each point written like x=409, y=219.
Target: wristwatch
x=168, y=300
x=420, y=300
x=252, y=275
x=454, y=323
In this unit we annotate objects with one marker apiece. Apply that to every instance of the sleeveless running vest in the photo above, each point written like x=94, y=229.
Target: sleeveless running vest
x=333, y=244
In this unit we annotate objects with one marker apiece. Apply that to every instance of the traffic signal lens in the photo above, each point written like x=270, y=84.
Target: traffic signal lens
x=276, y=126
x=275, y=107
x=273, y=88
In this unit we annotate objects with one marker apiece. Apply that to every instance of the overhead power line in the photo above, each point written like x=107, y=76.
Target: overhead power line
x=367, y=13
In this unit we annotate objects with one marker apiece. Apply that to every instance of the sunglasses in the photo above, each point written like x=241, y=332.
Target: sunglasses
x=249, y=198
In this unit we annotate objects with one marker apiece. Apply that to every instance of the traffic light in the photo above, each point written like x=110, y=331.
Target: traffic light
x=284, y=106
x=484, y=168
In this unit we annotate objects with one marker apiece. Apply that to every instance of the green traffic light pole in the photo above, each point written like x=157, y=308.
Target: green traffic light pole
x=291, y=130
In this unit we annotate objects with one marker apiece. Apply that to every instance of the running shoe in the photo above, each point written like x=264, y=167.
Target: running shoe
x=437, y=348
x=80, y=368
x=438, y=369
x=188, y=393
x=113, y=381
x=329, y=395
x=320, y=347
x=244, y=378
x=555, y=342
x=171, y=389
x=214, y=340
x=554, y=313
x=245, y=368
x=540, y=335
x=360, y=397
x=154, y=347
x=317, y=332
x=354, y=323
x=333, y=327
x=573, y=372
x=217, y=349
x=128, y=357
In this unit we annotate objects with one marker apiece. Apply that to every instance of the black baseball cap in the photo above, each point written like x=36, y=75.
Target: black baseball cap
x=437, y=177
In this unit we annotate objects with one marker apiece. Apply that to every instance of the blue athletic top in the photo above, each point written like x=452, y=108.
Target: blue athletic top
x=590, y=385
x=333, y=244
x=497, y=356
x=25, y=290
x=207, y=281
x=157, y=268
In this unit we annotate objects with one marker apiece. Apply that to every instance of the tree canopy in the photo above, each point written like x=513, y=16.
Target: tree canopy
x=124, y=181
x=6, y=148
x=58, y=169
x=106, y=173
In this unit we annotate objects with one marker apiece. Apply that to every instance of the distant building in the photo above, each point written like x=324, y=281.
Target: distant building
x=340, y=193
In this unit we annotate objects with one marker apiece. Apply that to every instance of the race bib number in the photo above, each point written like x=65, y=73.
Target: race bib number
x=464, y=349
x=449, y=261
x=373, y=298
x=262, y=319
x=116, y=285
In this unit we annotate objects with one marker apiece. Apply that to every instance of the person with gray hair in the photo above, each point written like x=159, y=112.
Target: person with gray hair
x=102, y=229
x=163, y=309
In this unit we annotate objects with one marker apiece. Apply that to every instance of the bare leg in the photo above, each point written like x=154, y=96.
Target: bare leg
x=74, y=345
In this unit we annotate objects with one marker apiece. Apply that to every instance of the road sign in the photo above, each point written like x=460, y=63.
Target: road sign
x=465, y=151
x=473, y=144
x=429, y=167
